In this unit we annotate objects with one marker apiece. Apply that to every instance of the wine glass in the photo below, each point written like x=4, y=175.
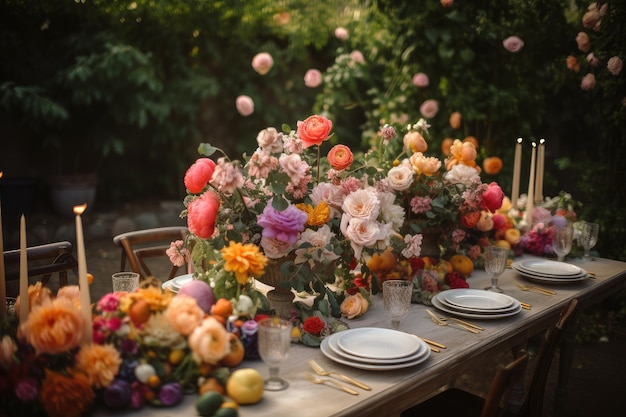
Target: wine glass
x=588, y=236
x=495, y=264
x=397, y=300
x=562, y=241
x=274, y=344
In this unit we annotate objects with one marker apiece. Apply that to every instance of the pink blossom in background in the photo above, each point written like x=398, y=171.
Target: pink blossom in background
x=446, y=3
x=262, y=63
x=313, y=78
x=429, y=109
x=342, y=34
x=421, y=80
x=198, y=175
x=513, y=44
x=245, y=105
x=357, y=56
x=591, y=19
x=615, y=65
x=583, y=42
x=593, y=60
x=588, y=82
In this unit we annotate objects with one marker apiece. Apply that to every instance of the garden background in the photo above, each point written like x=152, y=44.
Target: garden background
x=127, y=90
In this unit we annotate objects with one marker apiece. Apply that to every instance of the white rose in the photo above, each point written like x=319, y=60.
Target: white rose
x=362, y=204
x=270, y=140
x=400, y=178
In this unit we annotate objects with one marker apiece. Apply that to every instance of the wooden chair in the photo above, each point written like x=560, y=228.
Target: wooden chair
x=455, y=402
x=43, y=260
x=139, y=245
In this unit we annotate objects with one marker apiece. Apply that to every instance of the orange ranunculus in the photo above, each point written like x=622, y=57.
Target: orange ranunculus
x=201, y=214
x=65, y=395
x=462, y=153
x=37, y=295
x=54, y=327
x=455, y=120
x=317, y=216
x=244, y=260
x=314, y=130
x=415, y=142
x=470, y=219
x=340, y=157
x=492, y=165
x=199, y=174
x=100, y=363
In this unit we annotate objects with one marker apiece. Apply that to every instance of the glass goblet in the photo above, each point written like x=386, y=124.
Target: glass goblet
x=397, y=300
x=495, y=264
x=274, y=343
x=562, y=241
x=588, y=236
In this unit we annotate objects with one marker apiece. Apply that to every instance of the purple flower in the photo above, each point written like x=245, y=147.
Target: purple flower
x=118, y=394
x=129, y=346
x=171, y=394
x=250, y=327
x=282, y=225
x=137, y=399
x=27, y=389
x=559, y=221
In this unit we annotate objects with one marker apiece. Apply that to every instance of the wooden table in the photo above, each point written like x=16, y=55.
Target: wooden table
x=394, y=391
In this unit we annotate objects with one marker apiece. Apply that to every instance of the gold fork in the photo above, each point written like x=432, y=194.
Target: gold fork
x=329, y=382
x=437, y=320
x=536, y=289
x=321, y=371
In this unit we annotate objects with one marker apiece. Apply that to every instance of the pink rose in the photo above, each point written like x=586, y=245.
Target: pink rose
x=446, y=3
x=429, y=109
x=582, y=40
x=201, y=214
x=421, y=80
x=342, y=33
x=314, y=130
x=592, y=59
x=588, y=82
x=199, y=174
x=245, y=105
x=184, y=314
x=357, y=56
x=591, y=19
x=313, y=78
x=262, y=63
x=513, y=44
x=614, y=65
x=492, y=197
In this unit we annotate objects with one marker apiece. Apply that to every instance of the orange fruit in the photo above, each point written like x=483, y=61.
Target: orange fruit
x=211, y=384
x=176, y=356
x=139, y=311
x=462, y=264
x=245, y=386
x=89, y=279
x=222, y=307
x=237, y=351
x=154, y=381
x=382, y=262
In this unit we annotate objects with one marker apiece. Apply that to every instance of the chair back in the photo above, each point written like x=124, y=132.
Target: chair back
x=501, y=385
x=139, y=245
x=43, y=260
x=533, y=406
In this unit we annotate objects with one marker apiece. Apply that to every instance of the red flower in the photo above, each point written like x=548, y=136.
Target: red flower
x=492, y=197
x=340, y=157
x=199, y=174
x=201, y=215
x=471, y=219
x=313, y=325
x=314, y=130
x=456, y=280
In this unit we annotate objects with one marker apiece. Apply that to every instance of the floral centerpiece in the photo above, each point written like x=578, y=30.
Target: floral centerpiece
x=324, y=220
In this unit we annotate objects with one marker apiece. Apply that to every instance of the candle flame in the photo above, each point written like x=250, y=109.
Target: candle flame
x=542, y=141
x=534, y=144
x=80, y=209
x=520, y=140
x=1, y=173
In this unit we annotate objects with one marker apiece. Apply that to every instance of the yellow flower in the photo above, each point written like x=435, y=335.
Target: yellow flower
x=100, y=363
x=317, y=215
x=157, y=300
x=244, y=260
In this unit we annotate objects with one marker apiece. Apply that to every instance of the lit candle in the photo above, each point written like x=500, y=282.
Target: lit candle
x=83, y=284
x=517, y=166
x=531, y=188
x=541, y=153
x=3, y=285
x=24, y=299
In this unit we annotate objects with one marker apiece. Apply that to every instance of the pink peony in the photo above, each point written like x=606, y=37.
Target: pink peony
x=199, y=174
x=283, y=225
x=342, y=34
x=262, y=63
x=588, y=82
x=513, y=44
x=492, y=197
x=421, y=80
x=201, y=214
x=245, y=105
x=429, y=109
x=313, y=78
x=614, y=65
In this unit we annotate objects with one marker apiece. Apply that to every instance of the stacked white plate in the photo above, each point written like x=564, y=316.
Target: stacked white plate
x=176, y=283
x=547, y=271
x=375, y=349
x=476, y=304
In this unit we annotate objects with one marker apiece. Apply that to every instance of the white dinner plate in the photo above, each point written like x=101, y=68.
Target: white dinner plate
x=167, y=285
x=179, y=281
x=332, y=343
x=378, y=343
x=470, y=315
x=470, y=310
x=330, y=354
x=522, y=270
x=549, y=268
x=481, y=300
x=551, y=279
